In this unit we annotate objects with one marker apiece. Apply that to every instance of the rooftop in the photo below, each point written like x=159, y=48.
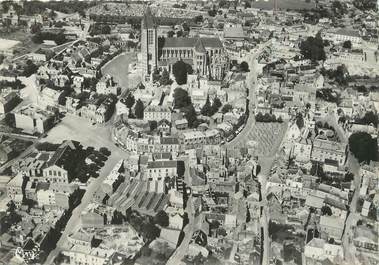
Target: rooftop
x=191, y=42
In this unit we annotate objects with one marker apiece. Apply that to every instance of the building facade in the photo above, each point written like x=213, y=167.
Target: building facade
x=149, y=43
x=206, y=56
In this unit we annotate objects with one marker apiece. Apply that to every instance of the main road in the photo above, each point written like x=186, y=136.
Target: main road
x=76, y=128
x=251, y=81
x=243, y=137
x=193, y=222
x=353, y=216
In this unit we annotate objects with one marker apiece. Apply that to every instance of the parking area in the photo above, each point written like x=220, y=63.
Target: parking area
x=76, y=128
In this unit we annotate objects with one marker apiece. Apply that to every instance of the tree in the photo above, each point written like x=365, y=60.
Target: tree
x=226, y=108
x=198, y=259
x=347, y=44
x=348, y=177
x=185, y=27
x=165, y=78
x=212, y=13
x=37, y=38
x=206, y=110
x=340, y=75
x=170, y=34
x=150, y=231
x=153, y=125
x=30, y=68
x=161, y=218
x=313, y=48
x=369, y=118
x=190, y=115
x=129, y=101
x=244, y=67
x=363, y=147
x=216, y=105
x=198, y=19
x=139, y=109
x=35, y=28
x=365, y=4
x=179, y=70
x=156, y=75
x=338, y=8
x=106, y=29
x=299, y=120
x=248, y=217
x=179, y=33
x=325, y=210
x=181, y=98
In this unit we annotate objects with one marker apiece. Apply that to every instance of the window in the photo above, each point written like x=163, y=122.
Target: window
x=149, y=56
x=150, y=37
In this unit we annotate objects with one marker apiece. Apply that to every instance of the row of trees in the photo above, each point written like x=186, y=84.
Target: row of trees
x=39, y=37
x=328, y=94
x=267, y=118
x=339, y=75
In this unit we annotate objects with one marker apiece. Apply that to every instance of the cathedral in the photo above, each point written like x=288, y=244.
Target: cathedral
x=206, y=56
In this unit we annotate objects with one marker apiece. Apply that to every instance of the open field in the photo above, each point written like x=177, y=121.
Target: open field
x=283, y=4
x=24, y=45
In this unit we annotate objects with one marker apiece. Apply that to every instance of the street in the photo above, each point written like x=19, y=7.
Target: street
x=242, y=138
x=251, y=81
x=178, y=255
x=74, y=222
x=353, y=216
x=76, y=128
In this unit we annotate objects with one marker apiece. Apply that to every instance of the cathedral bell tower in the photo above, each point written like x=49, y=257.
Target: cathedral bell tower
x=149, y=44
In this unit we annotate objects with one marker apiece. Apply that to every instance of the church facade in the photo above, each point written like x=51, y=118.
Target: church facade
x=206, y=56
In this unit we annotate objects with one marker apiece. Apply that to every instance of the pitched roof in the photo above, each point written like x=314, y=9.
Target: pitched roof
x=191, y=42
x=148, y=20
x=162, y=164
x=199, y=46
